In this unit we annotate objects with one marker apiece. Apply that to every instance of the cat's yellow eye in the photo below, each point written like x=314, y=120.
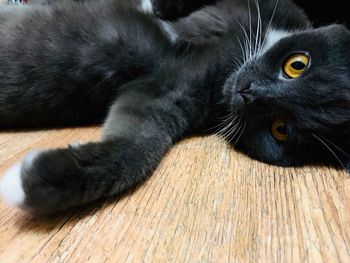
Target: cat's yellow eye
x=296, y=65
x=279, y=131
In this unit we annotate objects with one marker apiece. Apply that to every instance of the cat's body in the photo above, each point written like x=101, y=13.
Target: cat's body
x=157, y=82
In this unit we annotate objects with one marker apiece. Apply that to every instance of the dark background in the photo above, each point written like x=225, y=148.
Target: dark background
x=326, y=12
x=320, y=12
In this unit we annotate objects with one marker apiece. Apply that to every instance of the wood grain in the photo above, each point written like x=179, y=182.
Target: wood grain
x=205, y=203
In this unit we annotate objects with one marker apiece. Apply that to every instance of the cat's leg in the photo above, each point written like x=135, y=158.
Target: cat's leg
x=139, y=130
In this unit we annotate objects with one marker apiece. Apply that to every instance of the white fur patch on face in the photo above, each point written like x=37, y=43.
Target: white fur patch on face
x=11, y=189
x=272, y=37
x=146, y=6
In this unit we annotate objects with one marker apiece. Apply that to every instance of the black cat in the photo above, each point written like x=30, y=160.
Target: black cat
x=253, y=71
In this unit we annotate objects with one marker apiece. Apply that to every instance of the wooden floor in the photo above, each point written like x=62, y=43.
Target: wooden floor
x=205, y=203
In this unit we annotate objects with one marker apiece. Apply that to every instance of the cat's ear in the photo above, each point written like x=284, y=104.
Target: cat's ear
x=338, y=38
x=340, y=29
x=338, y=32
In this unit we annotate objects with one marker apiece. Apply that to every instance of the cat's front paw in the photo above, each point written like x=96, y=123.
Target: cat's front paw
x=11, y=184
x=45, y=181
x=53, y=180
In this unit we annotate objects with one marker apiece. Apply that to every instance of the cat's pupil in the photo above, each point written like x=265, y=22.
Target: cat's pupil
x=298, y=65
x=282, y=129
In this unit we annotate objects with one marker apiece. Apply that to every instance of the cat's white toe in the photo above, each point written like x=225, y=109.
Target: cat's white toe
x=75, y=144
x=30, y=157
x=11, y=188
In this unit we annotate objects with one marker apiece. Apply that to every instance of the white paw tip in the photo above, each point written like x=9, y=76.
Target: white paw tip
x=75, y=144
x=11, y=190
x=30, y=157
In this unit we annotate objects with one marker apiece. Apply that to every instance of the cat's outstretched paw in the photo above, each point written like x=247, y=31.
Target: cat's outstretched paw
x=49, y=181
x=11, y=184
x=53, y=180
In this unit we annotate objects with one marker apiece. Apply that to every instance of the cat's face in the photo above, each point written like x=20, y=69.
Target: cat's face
x=293, y=101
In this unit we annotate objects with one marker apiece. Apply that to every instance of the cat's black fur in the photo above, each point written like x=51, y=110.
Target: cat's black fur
x=78, y=63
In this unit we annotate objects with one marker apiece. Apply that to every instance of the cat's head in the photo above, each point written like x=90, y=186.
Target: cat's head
x=293, y=100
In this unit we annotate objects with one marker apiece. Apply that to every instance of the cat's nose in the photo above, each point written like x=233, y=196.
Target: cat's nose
x=247, y=93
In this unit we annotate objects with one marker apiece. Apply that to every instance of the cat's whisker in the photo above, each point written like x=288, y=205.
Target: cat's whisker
x=250, y=24
x=239, y=61
x=225, y=117
x=222, y=124
x=235, y=131
x=236, y=63
x=223, y=100
x=243, y=56
x=232, y=132
x=258, y=28
x=253, y=41
x=217, y=126
x=270, y=22
x=225, y=124
x=241, y=46
x=226, y=130
x=227, y=134
x=261, y=31
x=247, y=44
x=333, y=152
x=337, y=147
x=241, y=133
x=248, y=49
x=222, y=120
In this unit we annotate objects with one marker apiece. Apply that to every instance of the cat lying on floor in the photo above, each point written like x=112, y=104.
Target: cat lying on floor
x=255, y=72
